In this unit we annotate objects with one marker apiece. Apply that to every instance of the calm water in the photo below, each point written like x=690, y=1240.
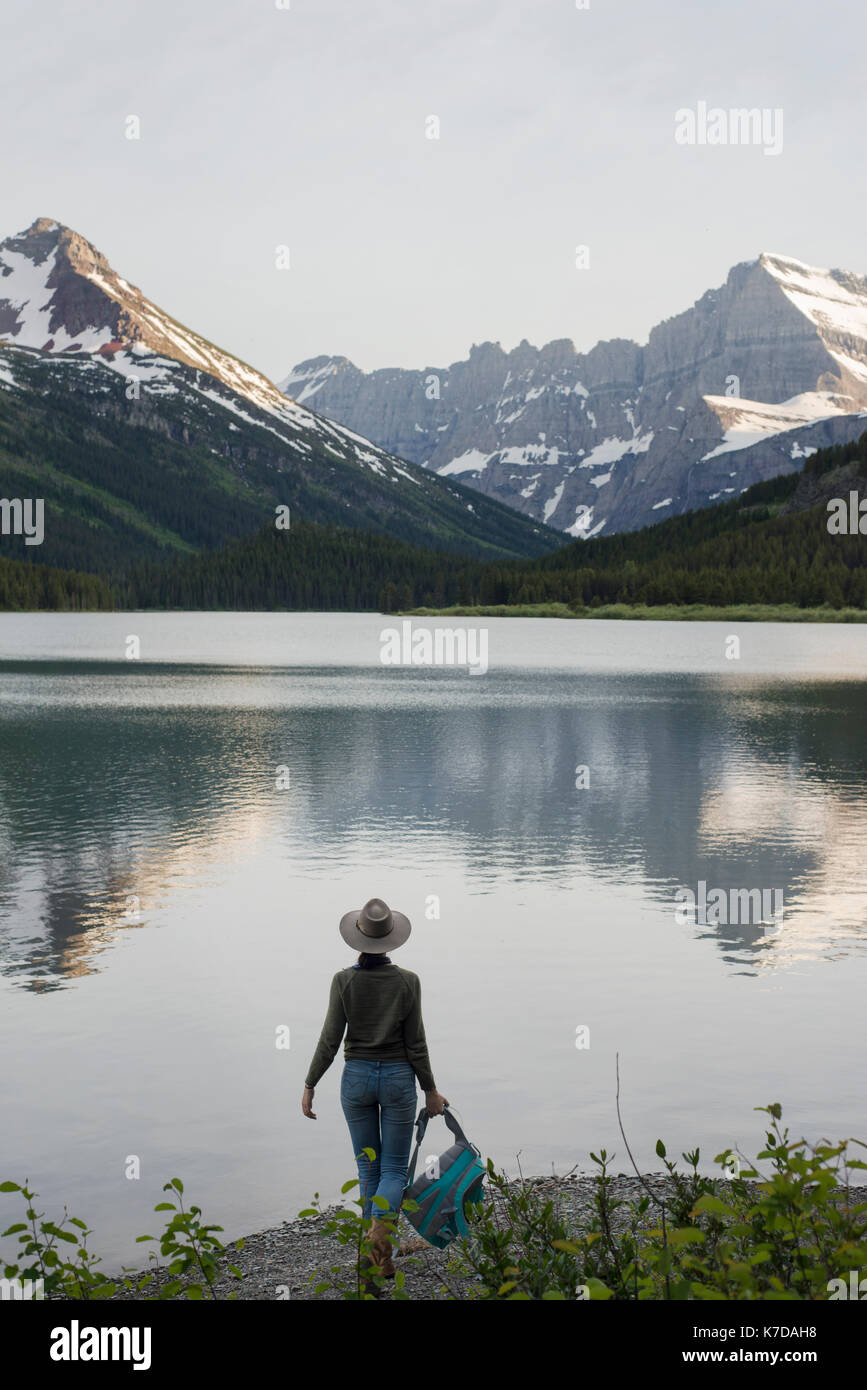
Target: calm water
x=538, y=907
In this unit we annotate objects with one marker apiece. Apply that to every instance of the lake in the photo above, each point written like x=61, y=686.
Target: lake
x=182, y=831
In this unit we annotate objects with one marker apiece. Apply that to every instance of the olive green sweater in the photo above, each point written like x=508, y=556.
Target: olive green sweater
x=380, y=1010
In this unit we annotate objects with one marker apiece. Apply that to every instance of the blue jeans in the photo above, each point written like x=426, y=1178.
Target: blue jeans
x=368, y=1090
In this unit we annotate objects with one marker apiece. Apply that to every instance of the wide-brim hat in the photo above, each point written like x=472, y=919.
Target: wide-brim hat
x=374, y=928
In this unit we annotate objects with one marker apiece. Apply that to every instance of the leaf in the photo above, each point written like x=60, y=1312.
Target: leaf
x=685, y=1235
x=106, y=1290
x=707, y=1294
x=194, y=1291
x=19, y=1226
x=10, y=1187
x=598, y=1290
x=63, y=1235
x=660, y=1149
x=165, y=1206
x=347, y=1186
x=177, y=1185
x=506, y=1288
x=714, y=1205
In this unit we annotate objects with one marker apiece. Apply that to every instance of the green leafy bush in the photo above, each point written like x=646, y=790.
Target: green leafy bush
x=783, y=1234
x=191, y=1246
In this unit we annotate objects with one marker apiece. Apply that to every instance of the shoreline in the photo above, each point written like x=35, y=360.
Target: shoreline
x=662, y=613
x=286, y=1262
x=298, y=1254
x=638, y=612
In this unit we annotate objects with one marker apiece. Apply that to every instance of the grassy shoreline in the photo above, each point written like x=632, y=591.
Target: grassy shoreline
x=693, y=612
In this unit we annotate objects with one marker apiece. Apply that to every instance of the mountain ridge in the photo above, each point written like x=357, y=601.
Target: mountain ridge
x=747, y=381
x=90, y=368
x=770, y=549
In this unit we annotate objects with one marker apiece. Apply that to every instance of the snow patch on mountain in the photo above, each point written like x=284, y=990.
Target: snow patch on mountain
x=473, y=461
x=831, y=299
x=306, y=384
x=612, y=450
x=24, y=285
x=553, y=502
x=747, y=422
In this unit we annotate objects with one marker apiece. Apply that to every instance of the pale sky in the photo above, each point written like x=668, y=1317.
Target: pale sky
x=263, y=127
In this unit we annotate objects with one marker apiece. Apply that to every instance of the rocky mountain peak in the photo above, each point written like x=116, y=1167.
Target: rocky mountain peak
x=46, y=236
x=60, y=297
x=758, y=372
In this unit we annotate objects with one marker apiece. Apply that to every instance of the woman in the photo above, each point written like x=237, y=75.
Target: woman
x=379, y=1006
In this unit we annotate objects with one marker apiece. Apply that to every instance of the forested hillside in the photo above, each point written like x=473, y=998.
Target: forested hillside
x=770, y=546
x=189, y=470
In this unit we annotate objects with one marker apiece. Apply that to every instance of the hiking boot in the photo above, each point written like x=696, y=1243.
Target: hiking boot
x=380, y=1241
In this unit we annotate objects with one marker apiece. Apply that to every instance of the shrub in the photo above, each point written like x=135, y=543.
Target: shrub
x=785, y=1234
x=192, y=1247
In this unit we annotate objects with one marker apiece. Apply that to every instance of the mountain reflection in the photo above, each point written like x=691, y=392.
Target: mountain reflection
x=108, y=802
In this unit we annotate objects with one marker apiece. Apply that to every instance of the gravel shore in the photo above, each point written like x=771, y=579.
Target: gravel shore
x=299, y=1254
x=288, y=1261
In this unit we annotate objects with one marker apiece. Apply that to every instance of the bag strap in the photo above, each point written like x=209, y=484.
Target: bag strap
x=420, y=1128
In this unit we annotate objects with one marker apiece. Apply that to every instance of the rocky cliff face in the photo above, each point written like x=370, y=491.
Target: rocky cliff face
x=756, y=375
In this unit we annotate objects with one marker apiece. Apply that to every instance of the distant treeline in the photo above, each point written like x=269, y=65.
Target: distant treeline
x=309, y=566
x=27, y=588
x=751, y=550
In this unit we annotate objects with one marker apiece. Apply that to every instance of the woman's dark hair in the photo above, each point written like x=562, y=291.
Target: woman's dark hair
x=370, y=962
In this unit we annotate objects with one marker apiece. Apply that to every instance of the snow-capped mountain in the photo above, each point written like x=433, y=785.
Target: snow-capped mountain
x=73, y=329
x=60, y=295
x=754, y=377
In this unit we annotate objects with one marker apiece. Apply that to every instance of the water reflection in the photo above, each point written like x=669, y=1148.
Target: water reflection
x=116, y=788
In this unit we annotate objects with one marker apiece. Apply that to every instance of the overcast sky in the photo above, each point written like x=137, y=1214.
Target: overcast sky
x=306, y=127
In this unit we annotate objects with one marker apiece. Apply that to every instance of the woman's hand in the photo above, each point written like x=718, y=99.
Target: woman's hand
x=434, y=1102
x=307, y=1102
